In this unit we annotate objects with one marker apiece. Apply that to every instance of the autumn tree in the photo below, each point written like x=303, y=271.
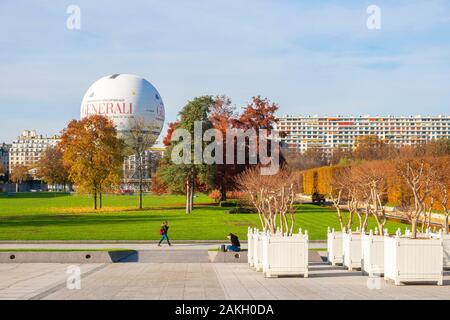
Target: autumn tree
x=188, y=174
x=223, y=118
x=433, y=148
x=168, y=137
x=19, y=174
x=313, y=157
x=92, y=153
x=340, y=154
x=442, y=188
x=259, y=117
x=50, y=167
x=371, y=147
x=256, y=116
x=157, y=186
x=2, y=171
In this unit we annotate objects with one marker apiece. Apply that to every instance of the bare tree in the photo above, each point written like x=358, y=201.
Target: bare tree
x=372, y=179
x=337, y=192
x=273, y=197
x=355, y=198
x=418, y=174
x=138, y=140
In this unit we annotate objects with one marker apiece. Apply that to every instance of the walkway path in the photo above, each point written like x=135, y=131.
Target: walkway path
x=199, y=281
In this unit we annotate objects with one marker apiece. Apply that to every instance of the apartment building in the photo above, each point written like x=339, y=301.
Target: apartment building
x=4, y=157
x=304, y=132
x=28, y=147
x=130, y=177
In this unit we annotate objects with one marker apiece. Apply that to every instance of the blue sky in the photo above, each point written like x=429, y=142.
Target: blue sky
x=311, y=57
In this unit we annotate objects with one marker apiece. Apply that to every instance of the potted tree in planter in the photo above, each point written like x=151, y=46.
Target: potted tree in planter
x=250, y=244
x=442, y=194
x=283, y=252
x=339, y=189
x=345, y=246
x=372, y=177
x=372, y=253
x=256, y=187
x=413, y=258
x=334, y=247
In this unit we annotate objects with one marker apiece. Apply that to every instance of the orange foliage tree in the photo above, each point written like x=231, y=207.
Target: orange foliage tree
x=19, y=174
x=50, y=167
x=92, y=153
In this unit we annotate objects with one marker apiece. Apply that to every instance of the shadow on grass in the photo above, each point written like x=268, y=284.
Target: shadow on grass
x=34, y=195
x=41, y=220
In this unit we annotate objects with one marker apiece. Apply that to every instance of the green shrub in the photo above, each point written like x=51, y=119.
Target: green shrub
x=229, y=203
x=242, y=210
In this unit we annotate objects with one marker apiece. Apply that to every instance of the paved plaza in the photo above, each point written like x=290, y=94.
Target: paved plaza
x=176, y=276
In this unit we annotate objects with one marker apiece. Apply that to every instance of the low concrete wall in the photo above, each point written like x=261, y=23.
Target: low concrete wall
x=219, y=256
x=64, y=256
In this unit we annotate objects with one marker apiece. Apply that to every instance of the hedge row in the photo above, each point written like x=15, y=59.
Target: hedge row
x=320, y=179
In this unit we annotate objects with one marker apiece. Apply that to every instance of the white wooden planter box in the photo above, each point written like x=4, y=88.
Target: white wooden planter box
x=446, y=244
x=250, y=244
x=413, y=260
x=285, y=255
x=446, y=253
x=258, y=250
x=334, y=247
x=446, y=247
x=372, y=254
x=351, y=247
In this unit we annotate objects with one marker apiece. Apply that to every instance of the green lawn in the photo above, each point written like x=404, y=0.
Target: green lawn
x=48, y=216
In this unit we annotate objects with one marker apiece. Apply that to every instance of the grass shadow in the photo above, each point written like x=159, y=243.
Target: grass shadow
x=33, y=195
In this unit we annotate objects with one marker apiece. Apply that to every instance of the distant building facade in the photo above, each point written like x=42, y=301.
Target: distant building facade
x=27, y=149
x=130, y=178
x=328, y=133
x=4, y=157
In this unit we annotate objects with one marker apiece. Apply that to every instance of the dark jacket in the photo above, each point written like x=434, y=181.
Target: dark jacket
x=235, y=241
x=165, y=229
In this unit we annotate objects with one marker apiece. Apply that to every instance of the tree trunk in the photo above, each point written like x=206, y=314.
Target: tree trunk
x=140, y=168
x=446, y=224
x=140, y=194
x=17, y=186
x=414, y=228
x=223, y=193
x=341, y=222
x=100, y=200
x=366, y=219
x=192, y=193
x=188, y=197
x=95, y=200
x=350, y=219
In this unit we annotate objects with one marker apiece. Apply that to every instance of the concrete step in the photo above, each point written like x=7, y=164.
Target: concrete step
x=171, y=256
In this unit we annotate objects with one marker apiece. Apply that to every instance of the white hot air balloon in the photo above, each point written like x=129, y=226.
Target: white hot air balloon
x=125, y=98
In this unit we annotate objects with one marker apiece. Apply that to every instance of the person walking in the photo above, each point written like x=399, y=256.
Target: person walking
x=163, y=232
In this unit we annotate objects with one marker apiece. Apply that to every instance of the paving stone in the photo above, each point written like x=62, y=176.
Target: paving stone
x=199, y=281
